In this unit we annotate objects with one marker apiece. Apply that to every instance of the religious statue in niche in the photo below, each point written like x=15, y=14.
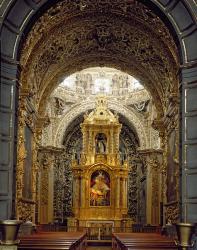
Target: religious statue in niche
x=100, y=189
x=101, y=142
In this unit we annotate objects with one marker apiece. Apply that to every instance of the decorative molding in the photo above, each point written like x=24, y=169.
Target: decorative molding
x=98, y=38
x=75, y=112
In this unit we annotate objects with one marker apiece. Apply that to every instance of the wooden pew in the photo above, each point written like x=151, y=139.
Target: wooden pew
x=137, y=241
x=54, y=241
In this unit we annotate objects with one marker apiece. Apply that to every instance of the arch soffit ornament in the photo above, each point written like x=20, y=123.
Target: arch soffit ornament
x=61, y=14
x=121, y=64
x=75, y=112
x=8, y=8
x=85, y=38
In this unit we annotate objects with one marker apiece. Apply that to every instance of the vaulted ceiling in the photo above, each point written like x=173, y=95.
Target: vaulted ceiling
x=73, y=35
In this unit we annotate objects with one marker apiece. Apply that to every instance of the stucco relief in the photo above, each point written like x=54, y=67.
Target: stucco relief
x=99, y=38
x=72, y=114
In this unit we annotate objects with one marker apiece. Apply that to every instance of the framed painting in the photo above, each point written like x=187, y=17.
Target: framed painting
x=100, y=188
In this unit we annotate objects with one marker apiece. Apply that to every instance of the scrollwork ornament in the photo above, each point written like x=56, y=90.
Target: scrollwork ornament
x=172, y=213
x=160, y=126
x=21, y=153
x=76, y=33
x=25, y=210
x=155, y=169
x=45, y=162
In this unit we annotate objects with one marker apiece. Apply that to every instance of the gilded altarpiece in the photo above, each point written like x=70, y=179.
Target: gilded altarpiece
x=72, y=152
x=100, y=182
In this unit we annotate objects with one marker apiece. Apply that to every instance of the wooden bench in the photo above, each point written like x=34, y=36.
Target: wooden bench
x=137, y=241
x=54, y=241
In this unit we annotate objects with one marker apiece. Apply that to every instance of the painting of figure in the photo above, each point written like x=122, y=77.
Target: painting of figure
x=100, y=189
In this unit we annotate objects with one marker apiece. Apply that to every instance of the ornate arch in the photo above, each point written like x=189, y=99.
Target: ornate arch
x=75, y=112
x=78, y=38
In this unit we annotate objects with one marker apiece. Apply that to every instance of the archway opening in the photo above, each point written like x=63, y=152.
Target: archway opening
x=62, y=138
x=76, y=42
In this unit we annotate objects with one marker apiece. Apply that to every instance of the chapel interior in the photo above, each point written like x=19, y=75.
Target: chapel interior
x=99, y=141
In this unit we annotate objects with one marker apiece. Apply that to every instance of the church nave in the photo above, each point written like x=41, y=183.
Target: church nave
x=98, y=112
